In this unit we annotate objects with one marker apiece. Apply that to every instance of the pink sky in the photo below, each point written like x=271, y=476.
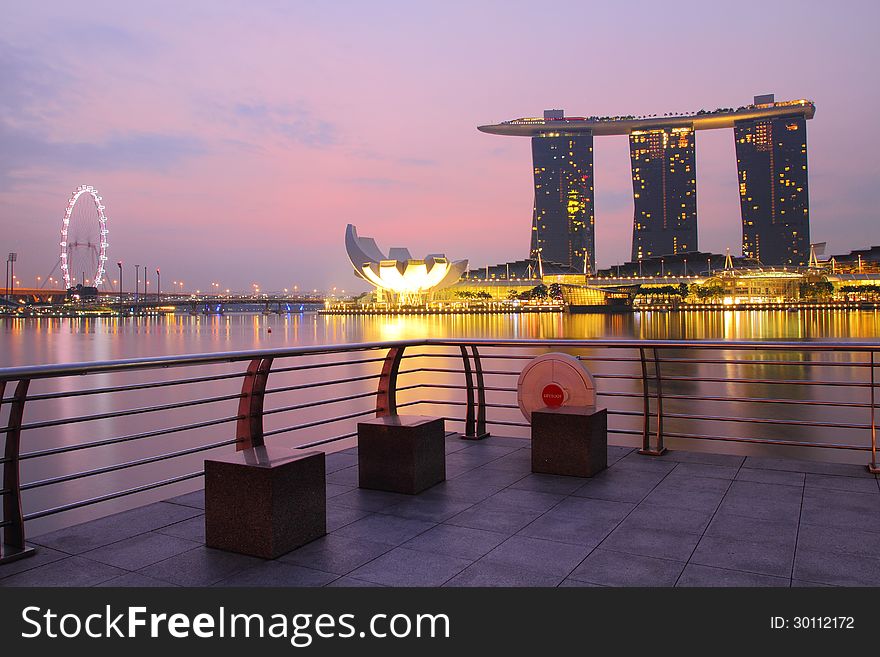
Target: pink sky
x=233, y=142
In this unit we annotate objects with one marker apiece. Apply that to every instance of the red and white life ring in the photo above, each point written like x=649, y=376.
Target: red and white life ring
x=554, y=380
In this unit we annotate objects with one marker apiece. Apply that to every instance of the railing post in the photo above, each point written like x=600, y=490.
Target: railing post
x=249, y=428
x=646, y=405
x=469, y=422
x=873, y=467
x=481, y=396
x=474, y=428
x=386, y=394
x=658, y=448
x=13, y=544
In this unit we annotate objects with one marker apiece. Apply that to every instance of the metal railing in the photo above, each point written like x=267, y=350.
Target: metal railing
x=761, y=393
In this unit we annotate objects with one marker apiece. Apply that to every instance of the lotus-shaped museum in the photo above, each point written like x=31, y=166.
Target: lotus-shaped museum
x=406, y=279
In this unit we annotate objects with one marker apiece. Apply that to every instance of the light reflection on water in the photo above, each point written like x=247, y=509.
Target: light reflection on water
x=45, y=340
x=54, y=340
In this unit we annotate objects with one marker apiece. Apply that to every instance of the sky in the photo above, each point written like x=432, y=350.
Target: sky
x=233, y=141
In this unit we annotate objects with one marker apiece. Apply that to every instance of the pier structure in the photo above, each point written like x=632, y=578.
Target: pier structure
x=704, y=486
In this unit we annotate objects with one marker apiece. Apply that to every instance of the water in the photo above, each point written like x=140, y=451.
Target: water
x=55, y=340
x=45, y=340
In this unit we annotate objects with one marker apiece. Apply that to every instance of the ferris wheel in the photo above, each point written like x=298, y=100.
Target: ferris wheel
x=84, y=239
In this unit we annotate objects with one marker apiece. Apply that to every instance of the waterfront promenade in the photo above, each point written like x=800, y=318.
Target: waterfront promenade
x=683, y=519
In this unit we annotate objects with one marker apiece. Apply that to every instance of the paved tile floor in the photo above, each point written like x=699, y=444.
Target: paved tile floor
x=684, y=519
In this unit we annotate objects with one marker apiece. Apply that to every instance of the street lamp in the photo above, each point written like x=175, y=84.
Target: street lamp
x=137, y=281
x=158, y=286
x=119, y=264
x=10, y=271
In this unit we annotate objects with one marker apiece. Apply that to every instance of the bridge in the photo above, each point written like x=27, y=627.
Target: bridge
x=151, y=302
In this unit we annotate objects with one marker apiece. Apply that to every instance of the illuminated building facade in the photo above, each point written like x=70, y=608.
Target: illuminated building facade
x=563, y=214
x=664, y=191
x=398, y=277
x=771, y=160
x=773, y=183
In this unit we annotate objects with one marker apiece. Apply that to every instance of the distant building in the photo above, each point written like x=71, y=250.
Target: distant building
x=82, y=293
x=771, y=149
x=664, y=176
x=857, y=261
x=563, y=216
x=398, y=277
x=692, y=263
x=771, y=160
x=530, y=269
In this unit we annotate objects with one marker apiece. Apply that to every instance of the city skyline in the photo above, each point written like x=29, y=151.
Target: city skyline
x=238, y=150
x=771, y=157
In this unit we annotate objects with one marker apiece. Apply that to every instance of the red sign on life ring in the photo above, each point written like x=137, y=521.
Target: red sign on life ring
x=553, y=396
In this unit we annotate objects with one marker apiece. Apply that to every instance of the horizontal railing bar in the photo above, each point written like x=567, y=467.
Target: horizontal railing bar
x=633, y=395
x=761, y=400
x=412, y=386
x=326, y=441
x=749, y=345
x=133, y=386
x=312, y=366
x=453, y=402
x=626, y=432
x=508, y=423
x=665, y=361
x=453, y=386
x=320, y=402
x=124, y=439
x=633, y=432
x=112, y=496
x=158, y=362
x=130, y=411
x=491, y=356
x=653, y=395
x=788, y=382
x=785, y=363
x=303, y=386
x=622, y=377
x=766, y=441
x=161, y=362
x=599, y=393
x=773, y=421
x=637, y=377
x=317, y=423
x=699, y=361
x=444, y=370
x=130, y=464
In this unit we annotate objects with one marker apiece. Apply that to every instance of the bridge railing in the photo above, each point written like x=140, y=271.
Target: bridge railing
x=104, y=434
